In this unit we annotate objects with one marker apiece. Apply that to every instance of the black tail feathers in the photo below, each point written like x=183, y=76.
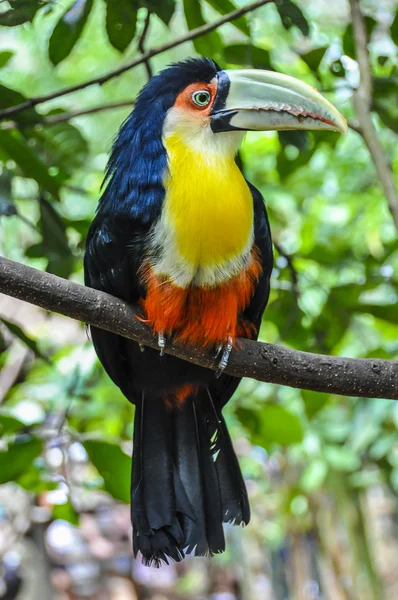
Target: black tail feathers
x=186, y=480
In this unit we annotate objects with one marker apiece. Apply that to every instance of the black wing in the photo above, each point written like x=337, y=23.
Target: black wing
x=223, y=388
x=114, y=252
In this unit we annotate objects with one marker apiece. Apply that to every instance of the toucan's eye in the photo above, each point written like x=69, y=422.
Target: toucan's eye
x=201, y=97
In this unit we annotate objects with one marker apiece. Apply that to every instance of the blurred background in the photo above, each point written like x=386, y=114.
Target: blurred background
x=321, y=470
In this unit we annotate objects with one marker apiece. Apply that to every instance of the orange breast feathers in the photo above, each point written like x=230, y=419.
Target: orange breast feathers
x=203, y=316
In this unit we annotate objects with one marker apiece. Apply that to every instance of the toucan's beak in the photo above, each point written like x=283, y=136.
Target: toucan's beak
x=255, y=100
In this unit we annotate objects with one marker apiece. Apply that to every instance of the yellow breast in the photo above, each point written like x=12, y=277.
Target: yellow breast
x=208, y=205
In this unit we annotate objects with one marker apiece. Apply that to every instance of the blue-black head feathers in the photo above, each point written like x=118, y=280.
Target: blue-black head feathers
x=138, y=159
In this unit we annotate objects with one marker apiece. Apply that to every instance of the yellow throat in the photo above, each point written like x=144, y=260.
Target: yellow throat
x=208, y=205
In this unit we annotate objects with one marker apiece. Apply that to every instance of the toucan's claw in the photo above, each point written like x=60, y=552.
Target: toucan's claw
x=227, y=349
x=219, y=347
x=161, y=343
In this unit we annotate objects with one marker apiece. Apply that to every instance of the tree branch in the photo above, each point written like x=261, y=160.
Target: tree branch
x=191, y=35
x=373, y=378
x=141, y=43
x=363, y=103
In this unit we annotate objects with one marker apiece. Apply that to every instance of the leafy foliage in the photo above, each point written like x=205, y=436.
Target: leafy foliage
x=334, y=286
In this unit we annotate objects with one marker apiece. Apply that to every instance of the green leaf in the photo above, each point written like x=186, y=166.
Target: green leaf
x=66, y=512
x=394, y=30
x=21, y=335
x=9, y=97
x=246, y=54
x=314, y=57
x=18, y=457
x=342, y=458
x=313, y=402
x=298, y=139
x=313, y=475
x=337, y=68
x=68, y=30
x=348, y=37
x=32, y=481
x=22, y=12
x=291, y=14
x=113, y=465
x=15, y=146
x=55, y=246
x=9, y=424
x=385, y=100
x=226, y=6
x=386, y=312
x=207, y=45
x=271, y=424
x=5, y=56
x=61, y=145
x=164, y=9
x=121, y=21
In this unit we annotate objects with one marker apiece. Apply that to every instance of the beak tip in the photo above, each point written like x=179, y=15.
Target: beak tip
x=343, y=126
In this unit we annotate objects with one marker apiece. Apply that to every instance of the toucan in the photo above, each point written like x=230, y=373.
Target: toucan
x=181, y=233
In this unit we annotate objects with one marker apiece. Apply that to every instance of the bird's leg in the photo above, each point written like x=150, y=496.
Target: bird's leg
x=161, y=342
x=142, y=347
x=226, y=351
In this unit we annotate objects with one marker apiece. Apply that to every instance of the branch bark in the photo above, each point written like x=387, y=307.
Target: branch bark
x=363, y=104
x=191, y=35
x=264, y=362
x=141, y=43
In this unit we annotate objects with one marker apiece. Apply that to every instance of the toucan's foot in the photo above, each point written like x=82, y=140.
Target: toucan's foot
x=226, y=351
x=161, y=343
x=219, y=347
x=142, y=347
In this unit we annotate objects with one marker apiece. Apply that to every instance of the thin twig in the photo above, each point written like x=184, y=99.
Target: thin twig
x=191, y=35
x=363, y=104
x=373, y=377
x=141, y=43
x=67, y=116
x=355, y=126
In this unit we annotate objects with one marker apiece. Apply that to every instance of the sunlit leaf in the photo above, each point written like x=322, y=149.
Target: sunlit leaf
x=61, y=145
x=271, y=424
x=15, y=146
x=341, y=458
x=66, y=512
x=113, y=465
x=18, y=457
x=313, y=402
x=313, y=475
